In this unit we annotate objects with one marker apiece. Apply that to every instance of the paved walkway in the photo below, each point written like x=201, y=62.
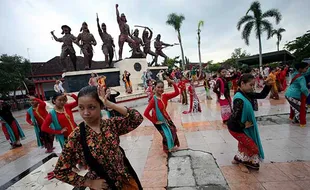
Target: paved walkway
x=287, y=163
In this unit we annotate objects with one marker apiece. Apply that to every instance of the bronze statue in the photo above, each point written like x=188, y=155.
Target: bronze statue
x=125, y=32
x=147, y=43
x=108, y=43
x=67, y=47
x=159, y=45
x=87, y=40
x=136, y=51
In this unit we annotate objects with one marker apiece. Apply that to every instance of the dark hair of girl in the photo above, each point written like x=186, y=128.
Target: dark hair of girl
x=220, y=69
x=55, y=96
x=300, y=65
x=157, y=82
x=245, y=78
x=90, y=91
x=246, y=70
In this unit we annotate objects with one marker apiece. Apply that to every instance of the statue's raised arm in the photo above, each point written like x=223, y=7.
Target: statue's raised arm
x=118, y=18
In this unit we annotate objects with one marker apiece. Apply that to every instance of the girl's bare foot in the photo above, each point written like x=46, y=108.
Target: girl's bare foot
x=234, y=161
x=243, y=168
x=174, y=149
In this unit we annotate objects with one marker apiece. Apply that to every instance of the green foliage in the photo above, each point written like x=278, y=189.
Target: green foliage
x=300, y=47
x=200, y=25
x=13, y=71
x=170, y=63
x=236, y=54
x=175, y=21
x=258, y=21
x=214, y=67
x=278, y=34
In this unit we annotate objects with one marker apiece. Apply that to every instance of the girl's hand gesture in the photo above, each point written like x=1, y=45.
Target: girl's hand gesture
x=168, y=79
x=248, y=124
x=103, y=95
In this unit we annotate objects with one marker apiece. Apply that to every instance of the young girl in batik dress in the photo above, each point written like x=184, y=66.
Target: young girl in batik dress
x=96, y=144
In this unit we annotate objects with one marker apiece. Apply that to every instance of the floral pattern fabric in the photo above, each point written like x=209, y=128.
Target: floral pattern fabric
x=104, y=147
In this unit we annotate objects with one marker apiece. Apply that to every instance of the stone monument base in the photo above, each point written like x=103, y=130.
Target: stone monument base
x=155, y=71
x=75, y=80
x=135, y=67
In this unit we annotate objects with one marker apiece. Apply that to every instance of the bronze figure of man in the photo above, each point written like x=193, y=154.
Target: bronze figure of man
x=108, y=43
x=67, y=47
x=159, y=45
x=125, y=32
x=87, y=41
x=136, y=51
x=147, y=38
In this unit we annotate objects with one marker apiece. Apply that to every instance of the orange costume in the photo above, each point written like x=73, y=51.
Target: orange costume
x=101, y=81
x=274, y=90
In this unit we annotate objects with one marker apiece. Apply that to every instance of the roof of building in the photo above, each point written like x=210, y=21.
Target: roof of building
x=53, y=66
x=270, y=57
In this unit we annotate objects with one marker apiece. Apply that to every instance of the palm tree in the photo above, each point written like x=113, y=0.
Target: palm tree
x=176, y=21
x=278, y=34
x=200, y=24
x=261, y=24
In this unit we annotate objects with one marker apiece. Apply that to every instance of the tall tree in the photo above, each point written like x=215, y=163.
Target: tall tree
x=13, y=71
x=258, y=21
x=176, y=21
x=236, y=54
x=278, y=33
x=300, y=47
x=200, y=24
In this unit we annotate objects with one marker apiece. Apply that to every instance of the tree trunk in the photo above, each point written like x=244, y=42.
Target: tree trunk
x=260, y=54
x=199, y=54
x=278, y=43
x=182, y=52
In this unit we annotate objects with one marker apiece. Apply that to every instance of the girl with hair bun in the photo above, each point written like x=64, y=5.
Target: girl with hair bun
x=242, y=123
x=60, y=120
x=223, y=93
x=159, y=116
x=96, y=144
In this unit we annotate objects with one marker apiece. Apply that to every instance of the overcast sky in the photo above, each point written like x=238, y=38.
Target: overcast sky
x=26, y=24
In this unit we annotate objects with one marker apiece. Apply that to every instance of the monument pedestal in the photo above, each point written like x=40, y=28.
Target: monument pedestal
x=155, y=71
x=75, y=80
x=135, y=67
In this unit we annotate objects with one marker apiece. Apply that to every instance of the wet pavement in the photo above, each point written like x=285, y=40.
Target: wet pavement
x=286, y=146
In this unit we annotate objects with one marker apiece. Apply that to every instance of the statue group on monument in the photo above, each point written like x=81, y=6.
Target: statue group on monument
x=86, y=40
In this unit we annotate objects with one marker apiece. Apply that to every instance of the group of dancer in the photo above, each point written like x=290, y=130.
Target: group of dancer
x=95, y=143
x=96, y=80
x=239, y=114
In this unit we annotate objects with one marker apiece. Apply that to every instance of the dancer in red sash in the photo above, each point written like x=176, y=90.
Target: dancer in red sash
x=282, y=78
x=194, y=105
x=182, y=87
x=160, y=118
x=60, y=118
x=297, y=94
x=35, y=116
x=223, y=93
